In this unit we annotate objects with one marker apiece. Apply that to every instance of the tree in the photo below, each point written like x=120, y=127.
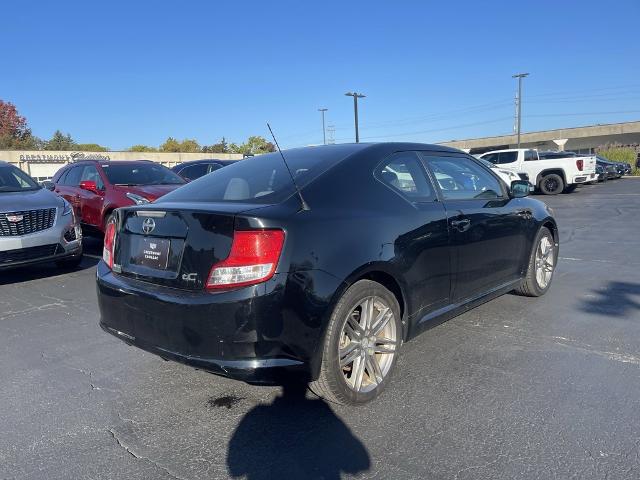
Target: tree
x=254, y=145
x=142, y=148
x=12, y=124
x=60, y=141
x=189, y=146
x=91, y=147
x=170, y=145
x=220, y=147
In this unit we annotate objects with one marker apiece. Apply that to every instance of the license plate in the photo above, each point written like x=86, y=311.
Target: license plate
x=152, y=253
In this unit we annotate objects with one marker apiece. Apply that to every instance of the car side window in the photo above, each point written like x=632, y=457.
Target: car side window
x=460, y=178
x=404, y=173
x=91, y=173
x=530, y=155
x=194, y=171
x=507, y=157
x=491, y=157
x=72, y=178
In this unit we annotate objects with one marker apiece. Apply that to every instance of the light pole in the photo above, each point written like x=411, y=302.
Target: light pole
x=519, y=76
x=355, y=96
x=324, y=132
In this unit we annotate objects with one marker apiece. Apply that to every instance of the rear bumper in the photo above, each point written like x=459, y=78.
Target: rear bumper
x=586, y=177
x=263, y=334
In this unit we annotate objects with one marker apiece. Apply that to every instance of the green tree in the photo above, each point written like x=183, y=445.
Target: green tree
x=189, y=145
x=91, y=147
x=254, y=145
x=220, y=147
x=142, y=148
x=59, y=141
x=170, y=145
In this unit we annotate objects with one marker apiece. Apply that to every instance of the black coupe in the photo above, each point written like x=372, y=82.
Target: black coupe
x=242, y=274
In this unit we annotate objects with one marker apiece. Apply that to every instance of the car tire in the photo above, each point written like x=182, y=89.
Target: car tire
x=570, y=188
x=70, y=263
x=531, y=285
x=551, y=184
x=351, y=383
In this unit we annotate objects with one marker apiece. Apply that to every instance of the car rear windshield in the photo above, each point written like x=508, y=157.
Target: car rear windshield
x=13, y=179
x=261, y=179
x=140, y=174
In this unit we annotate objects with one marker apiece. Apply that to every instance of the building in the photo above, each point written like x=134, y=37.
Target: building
x=578, y=139
x=42, y=164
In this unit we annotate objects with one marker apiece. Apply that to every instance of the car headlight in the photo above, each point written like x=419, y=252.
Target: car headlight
x=137, y=199
x=67, y=209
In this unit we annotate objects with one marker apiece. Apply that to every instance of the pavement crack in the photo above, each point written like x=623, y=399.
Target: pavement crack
x=128, y=449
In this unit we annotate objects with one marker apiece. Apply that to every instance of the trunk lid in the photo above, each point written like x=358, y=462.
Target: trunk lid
x=174, y=245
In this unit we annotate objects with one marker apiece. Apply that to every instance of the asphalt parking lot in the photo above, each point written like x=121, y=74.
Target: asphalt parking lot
x=516, y=388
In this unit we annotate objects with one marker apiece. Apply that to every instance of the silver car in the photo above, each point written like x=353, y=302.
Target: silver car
x=36, y=225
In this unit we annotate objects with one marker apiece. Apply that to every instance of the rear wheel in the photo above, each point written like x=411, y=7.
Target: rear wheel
x=361, y=345
x=551, y=184
x=542, y=263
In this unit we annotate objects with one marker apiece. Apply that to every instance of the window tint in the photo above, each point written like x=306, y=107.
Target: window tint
x=72, y=178
x=461, y=178
x=194, y=171
x=530, y=155
x=91, y=173
x=142, y=173
x=491, y=157
x=404, y=173
x=261, y=179
x=13, y=179
x=507, y=157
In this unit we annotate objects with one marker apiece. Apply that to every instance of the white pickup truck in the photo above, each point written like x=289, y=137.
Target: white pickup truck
x=551, y=174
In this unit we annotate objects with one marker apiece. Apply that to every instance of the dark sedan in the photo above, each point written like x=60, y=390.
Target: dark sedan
x=199, y=168
x=242, y=274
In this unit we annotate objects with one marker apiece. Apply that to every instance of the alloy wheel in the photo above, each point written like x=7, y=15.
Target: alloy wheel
x=545, y=261
x=368, y=344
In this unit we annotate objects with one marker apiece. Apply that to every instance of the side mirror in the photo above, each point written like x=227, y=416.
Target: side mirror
x=48, y=185
x=89, y=185
x=519, y=189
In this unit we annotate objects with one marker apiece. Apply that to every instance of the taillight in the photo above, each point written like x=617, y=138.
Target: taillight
x=580, y=164
x=253, y=259
x=109, y=237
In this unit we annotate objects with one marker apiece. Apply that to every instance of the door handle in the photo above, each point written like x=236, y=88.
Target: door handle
x=461, y=225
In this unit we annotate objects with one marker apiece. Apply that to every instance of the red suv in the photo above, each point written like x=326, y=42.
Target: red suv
x=95, y=188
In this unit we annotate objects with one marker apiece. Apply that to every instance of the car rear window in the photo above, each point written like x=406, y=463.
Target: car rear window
x=261, y=179
x=140, y=174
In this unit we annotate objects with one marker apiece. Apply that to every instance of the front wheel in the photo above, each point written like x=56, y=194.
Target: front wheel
x=361, y=345
x=542, y=263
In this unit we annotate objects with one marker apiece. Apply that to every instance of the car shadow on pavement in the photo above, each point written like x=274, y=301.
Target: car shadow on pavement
x=618, y=299
x=294, y=437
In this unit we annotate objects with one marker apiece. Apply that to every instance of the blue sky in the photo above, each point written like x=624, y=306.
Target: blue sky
x=120, y=73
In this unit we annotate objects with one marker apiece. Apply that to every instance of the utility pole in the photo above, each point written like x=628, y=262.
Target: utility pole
x=355, y=96
x=324, y=132
x=519, y=76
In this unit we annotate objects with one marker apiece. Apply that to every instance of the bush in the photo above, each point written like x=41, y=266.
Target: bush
x=620, y=154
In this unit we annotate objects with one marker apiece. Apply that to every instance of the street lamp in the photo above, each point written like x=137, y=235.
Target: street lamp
x=324, y=132
x=355, y=96
x=519, y=76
